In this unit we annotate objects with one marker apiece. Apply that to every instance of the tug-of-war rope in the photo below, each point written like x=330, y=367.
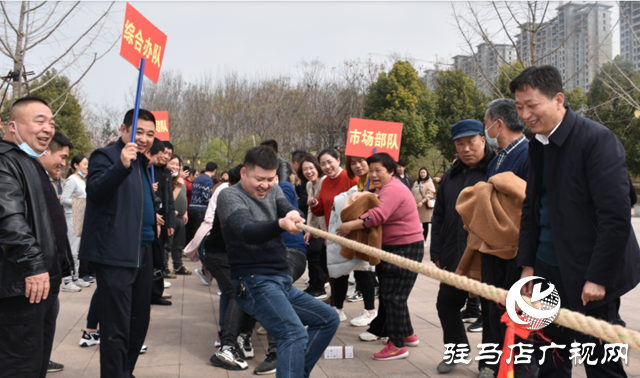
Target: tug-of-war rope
x=566, y=318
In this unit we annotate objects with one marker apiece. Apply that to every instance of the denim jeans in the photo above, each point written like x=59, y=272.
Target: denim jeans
x=282, y=310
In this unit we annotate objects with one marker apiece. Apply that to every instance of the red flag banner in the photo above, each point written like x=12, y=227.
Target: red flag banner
x=162, y=125
x=141, y=39
x=364, y=135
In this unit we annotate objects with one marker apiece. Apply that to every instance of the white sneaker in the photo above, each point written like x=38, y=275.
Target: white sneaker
x=89, y=338
x=364, y=319
x=342, y=315
x=70, y=287
x=262, y=331
x=143, y=349
x=81, y=283
x=368, y=336
x=167, y=284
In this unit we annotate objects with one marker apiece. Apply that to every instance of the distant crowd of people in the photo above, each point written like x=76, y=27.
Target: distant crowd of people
x=127, y=216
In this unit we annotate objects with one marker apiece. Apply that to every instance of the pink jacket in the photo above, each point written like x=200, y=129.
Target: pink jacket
x=397, y=213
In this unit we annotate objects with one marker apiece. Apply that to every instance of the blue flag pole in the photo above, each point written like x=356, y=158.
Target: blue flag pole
x=366, y=188
x=136, y=108
x=153, y=176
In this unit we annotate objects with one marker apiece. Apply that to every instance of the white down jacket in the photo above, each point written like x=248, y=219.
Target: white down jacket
x=338, y=265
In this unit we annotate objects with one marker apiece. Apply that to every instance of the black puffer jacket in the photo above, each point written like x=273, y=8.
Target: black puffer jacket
x=27, y=239
x=448, y=236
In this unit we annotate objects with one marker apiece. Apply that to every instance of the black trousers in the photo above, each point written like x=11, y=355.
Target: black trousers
x=365, y=282
x=175, y=244
x=236, y=321
x=26, y=335
x=196, y=217
x=449, y=303
x=554, y=367
x=125, y=306
x=317, y=276
x=395, y=287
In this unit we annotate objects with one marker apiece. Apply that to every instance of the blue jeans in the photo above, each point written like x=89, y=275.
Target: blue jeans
x=282, y=310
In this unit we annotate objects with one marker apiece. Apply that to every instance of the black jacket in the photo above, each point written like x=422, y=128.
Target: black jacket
x=165, y=194
x=27, y=238
x=448, y=236
x=115, y=207
x=406, y=180
x=588, y=196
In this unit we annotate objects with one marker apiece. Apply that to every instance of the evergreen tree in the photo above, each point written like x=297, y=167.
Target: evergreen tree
x=67, y=110
x=401, y=96
x=458, y=98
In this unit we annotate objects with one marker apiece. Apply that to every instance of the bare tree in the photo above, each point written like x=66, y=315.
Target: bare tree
x=38, y=28
x=533, y=32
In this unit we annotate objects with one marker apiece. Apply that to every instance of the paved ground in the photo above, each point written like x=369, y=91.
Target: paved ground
x=181, y=337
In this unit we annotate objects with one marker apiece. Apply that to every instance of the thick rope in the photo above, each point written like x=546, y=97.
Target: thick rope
x=566, y=318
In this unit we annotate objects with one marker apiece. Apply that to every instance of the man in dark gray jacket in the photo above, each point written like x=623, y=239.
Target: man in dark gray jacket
x=253, y=215
x=33, y=236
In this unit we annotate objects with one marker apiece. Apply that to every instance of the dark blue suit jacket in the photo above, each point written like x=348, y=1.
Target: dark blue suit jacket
x=588, y=196
x=112, y=227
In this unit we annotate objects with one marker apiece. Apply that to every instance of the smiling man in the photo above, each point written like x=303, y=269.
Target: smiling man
x=117, y=237
x=576, y=228
x=449, y=238
x=33, y=236
x=253, y=215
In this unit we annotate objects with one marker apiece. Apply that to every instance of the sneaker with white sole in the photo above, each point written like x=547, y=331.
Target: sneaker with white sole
x=364, y=319
x=410, y=341
x=261, y=331
x=203, y=278
x=356, y=297
x=81, y=283
x=390, y=352
x=368, y=336
x=143, y=350
x=341, y=314
x=218, y=343
x=228, y=358
x=54, y=367
x=268, y=366
x=167, y=284
x=70, y=287
x=245, y=348
x=89, y=338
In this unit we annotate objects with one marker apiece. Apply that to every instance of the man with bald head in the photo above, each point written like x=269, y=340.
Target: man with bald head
x=33, y=236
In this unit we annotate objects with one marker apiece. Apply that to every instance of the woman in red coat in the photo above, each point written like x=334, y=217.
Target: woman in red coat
x=335, y=183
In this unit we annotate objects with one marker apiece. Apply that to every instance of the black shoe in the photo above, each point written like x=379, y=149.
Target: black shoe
x=228, y=359
x=161, y=302
x=469, y=317
x=476, y=326
x=168, y=274
x=54, y=367
x=182, y=271
x=268, y=366
x=355, y=297
x=317, y=294
x=245, y=348
x=619, y=321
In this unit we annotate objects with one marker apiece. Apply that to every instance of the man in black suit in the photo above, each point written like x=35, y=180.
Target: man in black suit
x=576, y=228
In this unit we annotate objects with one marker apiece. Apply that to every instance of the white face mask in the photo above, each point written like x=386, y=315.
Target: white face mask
x=174, y=174
x=24, y=146
x=493, y=142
